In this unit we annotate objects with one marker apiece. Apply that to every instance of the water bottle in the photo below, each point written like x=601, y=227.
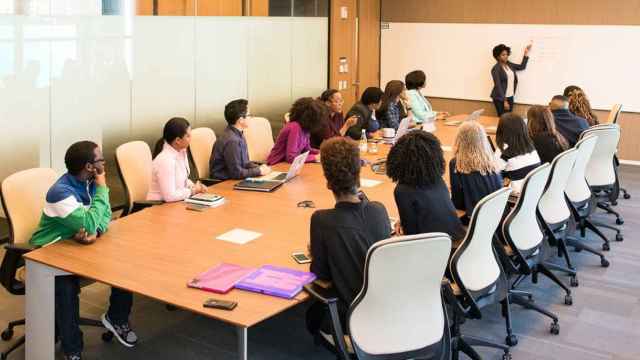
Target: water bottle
x=363, y=141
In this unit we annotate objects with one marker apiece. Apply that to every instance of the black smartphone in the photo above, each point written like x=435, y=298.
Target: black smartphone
x=301, y=258
x=220, y=304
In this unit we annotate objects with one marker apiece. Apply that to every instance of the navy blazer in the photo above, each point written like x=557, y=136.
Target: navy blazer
x=500, y=78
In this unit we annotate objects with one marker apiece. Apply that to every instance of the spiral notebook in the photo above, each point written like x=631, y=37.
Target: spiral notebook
x=276, y=281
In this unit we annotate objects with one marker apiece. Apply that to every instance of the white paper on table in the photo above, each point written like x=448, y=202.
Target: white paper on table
x=446, y=148
x=368, y=183
x=239, y=236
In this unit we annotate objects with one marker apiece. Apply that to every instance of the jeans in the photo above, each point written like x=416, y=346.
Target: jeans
x=499, y=104
x=67, y=311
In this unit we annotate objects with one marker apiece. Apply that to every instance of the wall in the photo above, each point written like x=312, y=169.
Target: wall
x=570, y=12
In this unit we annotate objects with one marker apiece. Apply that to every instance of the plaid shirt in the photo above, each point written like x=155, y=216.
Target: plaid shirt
x=392, y=119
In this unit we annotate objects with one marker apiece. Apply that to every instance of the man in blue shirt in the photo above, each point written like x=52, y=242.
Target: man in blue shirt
x=567, y=123
x=230, y=156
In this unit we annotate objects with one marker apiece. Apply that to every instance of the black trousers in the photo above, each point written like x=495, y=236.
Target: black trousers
x=499, y=104
x=67, y=311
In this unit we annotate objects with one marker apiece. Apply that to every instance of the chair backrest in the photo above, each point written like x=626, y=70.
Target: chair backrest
x=474, y=265
x=553, y=205
x=399, y=309
x=134, y=166
x=202, y=141
x=259, y=139
x=614, y=114
x=23, y=198
x=601, y=169
x=521, y=226
x=578, y=189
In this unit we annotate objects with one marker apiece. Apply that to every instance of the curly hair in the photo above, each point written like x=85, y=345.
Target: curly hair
x=310, y=113
x=416, y=160
x=498, y=49
x=472, y=150
x=340, y=158
x=579, y=104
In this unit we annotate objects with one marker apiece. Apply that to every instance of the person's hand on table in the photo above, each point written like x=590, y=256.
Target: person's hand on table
x=317, y=158
x=82, y=237
x=198, y=188
x=264, y=170
x=441, y=115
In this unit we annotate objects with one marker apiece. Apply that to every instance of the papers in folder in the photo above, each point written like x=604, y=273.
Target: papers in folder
x=210, y=200
x=276, y=281
x=220, y=278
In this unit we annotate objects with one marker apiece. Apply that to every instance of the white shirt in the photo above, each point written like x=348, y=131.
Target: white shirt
x=170, y=176
x=511, y=79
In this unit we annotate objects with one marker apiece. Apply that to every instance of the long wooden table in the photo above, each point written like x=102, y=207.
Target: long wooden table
x=155, y=252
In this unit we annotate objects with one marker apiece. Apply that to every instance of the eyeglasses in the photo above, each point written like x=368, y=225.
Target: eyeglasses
x=306, y=204
x=98, y=160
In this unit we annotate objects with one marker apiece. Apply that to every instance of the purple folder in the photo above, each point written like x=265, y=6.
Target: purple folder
x=220, y=278
x=276, y=281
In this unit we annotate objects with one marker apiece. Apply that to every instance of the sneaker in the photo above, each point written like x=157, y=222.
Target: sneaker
x=123, y=332
x=73, y=357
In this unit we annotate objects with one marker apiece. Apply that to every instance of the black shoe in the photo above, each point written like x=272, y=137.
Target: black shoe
x=123, y=332
x=73, y=357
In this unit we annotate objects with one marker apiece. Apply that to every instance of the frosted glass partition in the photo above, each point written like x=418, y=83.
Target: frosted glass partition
x=113, y=79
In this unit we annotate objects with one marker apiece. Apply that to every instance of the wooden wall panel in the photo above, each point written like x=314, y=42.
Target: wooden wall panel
x=342, y=44
x=368, y=44
x=258, y=8
x=219, y=8
x=188, y=7
x=570, y=12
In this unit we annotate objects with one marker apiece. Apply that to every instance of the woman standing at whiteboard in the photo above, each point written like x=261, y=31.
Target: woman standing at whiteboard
x=505, y=80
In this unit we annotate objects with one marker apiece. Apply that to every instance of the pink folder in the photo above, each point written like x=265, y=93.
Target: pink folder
x=220, y=278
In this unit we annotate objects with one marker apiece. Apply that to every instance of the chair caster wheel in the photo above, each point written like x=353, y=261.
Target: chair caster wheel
x=626, y=196
x=568, y=300
x=574, y=282
x=506, y=356
x=604, y=262
x=619, y=237
x=7, y=334
x=107, y=336
x=614, y=203
x=555, y=328
x=619, y=221
x=606, y=247
x=511, y=340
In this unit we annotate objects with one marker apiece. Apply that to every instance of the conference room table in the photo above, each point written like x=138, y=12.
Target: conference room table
x=156, y=251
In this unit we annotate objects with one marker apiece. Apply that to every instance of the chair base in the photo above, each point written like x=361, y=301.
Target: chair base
x=516, y=298
x=579, y=244
x=464, y=344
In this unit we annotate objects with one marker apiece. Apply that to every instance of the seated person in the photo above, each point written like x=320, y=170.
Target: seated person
x=568, y=124
x=77, y=207
x=570, y=89
x=580, y=105
x=170, y=171
x=473, y=171
x=341, y=237
x=392, y=110
x=515, y=152
x=365, y=111
x=307, y=115
x=416, y=164
x=335, y=125
x=421, y=107
x=230, y=157
x=548, y=142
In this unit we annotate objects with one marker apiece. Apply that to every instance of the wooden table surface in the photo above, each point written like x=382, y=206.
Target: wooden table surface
x=155, y=252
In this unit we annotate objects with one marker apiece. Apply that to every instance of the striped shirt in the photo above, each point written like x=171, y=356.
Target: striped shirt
x=517, y=167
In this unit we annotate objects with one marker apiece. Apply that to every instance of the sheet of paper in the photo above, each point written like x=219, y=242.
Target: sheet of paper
x=446, y=148
x=239, y=236
x=368, y=183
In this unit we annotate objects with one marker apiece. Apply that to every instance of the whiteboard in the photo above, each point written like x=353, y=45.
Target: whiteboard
x=457, y=58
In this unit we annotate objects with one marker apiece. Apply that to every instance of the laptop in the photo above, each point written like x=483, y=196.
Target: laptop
x=274, y=180
x=472, y=117
x=403, y=128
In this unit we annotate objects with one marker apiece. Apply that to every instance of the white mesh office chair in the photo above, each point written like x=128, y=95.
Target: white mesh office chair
x=399, y=313
x=524, y=246
x=613, y=118
x=478, y=279
x=579, y=197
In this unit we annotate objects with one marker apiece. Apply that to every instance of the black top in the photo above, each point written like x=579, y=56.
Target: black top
x=364, y=115
x=428, y=209
x=547, y=147
x=500, y=80
x=468, y=189
x=569, y=125
x=230, y=157
x=340, y=239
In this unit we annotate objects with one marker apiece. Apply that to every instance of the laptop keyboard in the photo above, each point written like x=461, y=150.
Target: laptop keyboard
x=280, y=177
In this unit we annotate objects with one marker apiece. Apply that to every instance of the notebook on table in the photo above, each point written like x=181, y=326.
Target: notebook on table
x=276, y=281
x=210, y=200
x=220, y=278
x=275, y=179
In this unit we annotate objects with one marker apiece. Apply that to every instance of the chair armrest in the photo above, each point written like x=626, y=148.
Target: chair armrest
x=322, y=294
x=452, y=300
x=143, y=204
x=210, y=181
x=10, y=263
x=328, y=298
x=19, y=248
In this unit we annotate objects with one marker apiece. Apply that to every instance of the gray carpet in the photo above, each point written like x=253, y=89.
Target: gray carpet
x=602, y=324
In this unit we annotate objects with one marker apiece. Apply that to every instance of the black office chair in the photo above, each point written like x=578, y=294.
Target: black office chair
x=477, y=277
x=23, y=198
x=399, y=313
x=523, y=249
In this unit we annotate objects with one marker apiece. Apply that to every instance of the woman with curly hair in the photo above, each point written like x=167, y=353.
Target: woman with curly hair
x=579, y=104
x=307, y=115
x=542, y=130
x=416, y=164
x=341, y=237
x=473, y=171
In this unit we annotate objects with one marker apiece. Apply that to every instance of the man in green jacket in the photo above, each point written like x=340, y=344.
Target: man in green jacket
x=77, y=207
